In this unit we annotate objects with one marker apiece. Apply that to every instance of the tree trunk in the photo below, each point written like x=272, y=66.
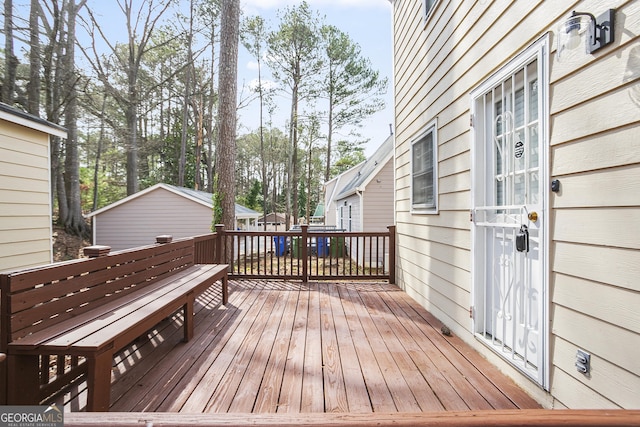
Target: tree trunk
x=11, y=62
x=211, y=129
x=74, y=222
x=226, y=148
x=98, y=154
x=52, y=72
x=33, y=87
x=293, y=172
x=132, y=143
x=199, y=113
x=183, y=136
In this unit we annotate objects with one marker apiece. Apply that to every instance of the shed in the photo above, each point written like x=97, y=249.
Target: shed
x=25, y=188
x=162, y=209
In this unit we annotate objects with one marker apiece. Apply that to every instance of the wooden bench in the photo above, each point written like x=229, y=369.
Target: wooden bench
x=77, y=315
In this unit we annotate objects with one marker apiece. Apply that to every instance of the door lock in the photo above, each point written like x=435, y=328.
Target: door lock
x=522, y=239
x=533, y=216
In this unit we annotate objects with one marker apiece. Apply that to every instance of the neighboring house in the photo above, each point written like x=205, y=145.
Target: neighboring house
x=275, y=222
x=517, y=177
x=361, y=198
x=25, y=189
x=331, y=190
x=162, y=209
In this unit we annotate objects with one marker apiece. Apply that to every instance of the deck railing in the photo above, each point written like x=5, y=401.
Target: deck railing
x=302, y=254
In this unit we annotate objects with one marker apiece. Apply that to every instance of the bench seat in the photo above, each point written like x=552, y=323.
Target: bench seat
x=99, y=333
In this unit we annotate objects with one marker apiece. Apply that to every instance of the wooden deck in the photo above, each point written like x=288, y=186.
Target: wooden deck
x=289, y=347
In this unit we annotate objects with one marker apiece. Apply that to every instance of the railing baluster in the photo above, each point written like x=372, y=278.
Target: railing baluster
x=290, y=254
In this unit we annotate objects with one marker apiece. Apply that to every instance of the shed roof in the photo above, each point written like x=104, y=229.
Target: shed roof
x=201, y=197
x=19, y=117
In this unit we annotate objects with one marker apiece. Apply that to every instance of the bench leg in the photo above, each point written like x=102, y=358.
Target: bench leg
x=23, y=380
x=225, y=289
x=188, y=318
x=99, y=382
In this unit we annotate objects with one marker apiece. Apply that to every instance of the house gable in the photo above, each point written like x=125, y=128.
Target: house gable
x=367, y=190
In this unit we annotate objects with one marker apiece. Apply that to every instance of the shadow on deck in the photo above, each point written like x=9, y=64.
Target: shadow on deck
x=290, y=347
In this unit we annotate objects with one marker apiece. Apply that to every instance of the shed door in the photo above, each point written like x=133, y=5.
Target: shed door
x=509, y=216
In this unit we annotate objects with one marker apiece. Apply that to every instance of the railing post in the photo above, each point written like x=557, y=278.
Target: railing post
x=392, y=254
x=219, y=254
x=96, y=251
x=164, y=238
x=304, y=245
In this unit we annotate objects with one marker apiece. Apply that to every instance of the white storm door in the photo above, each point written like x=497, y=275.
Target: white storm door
x=510, y=214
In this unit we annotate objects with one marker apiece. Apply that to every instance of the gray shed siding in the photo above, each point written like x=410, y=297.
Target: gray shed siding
x=137, y=221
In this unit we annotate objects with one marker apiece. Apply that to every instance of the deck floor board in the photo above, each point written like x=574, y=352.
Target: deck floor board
x=289, y=347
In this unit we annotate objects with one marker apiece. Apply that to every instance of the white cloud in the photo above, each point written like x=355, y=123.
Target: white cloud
x=252, y=65
x=266, y=84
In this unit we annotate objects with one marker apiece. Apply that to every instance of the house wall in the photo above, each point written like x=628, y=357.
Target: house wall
x=594, y=151
x=356, y=213
x=25, y=213
x=138, y=221
x=332, y=189
x=378, y=200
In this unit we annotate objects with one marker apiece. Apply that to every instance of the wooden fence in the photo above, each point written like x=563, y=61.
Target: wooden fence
x=304, y=254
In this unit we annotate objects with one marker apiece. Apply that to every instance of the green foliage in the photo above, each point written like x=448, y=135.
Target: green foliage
x=254, y=198
x=107, y=192
x=293, y=49
x=349, y=155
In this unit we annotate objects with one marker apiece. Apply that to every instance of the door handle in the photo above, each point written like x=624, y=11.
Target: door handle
x=533, y=216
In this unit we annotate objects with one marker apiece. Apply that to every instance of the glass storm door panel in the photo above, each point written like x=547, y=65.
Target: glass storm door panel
x=509, y=214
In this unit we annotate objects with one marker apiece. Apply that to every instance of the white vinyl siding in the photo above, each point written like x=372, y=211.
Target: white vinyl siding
x=594, y=151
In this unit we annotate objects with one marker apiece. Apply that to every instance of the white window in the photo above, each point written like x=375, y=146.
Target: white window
x=428, y=7
x=424, y=171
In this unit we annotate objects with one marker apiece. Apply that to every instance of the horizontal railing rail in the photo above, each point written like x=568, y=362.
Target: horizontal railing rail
x=302, y=254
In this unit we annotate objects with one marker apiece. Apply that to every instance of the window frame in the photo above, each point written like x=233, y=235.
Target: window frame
x=428, y=7
x=426, y=208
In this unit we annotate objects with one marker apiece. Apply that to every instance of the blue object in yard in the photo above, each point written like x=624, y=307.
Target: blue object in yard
x=280, y=242
x=323, y=246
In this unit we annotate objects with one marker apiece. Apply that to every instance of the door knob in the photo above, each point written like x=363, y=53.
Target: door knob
x=533, y=216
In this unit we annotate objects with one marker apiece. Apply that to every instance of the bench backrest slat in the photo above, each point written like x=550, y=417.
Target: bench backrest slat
x=116, y=275
x=39, y=298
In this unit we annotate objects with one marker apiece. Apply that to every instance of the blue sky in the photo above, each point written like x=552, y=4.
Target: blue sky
x=368, y=23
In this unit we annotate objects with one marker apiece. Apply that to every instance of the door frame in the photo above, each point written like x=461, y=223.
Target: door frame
x=540, y=50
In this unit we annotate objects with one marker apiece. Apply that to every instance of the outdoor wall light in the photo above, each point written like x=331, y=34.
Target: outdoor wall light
x=583, y=28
